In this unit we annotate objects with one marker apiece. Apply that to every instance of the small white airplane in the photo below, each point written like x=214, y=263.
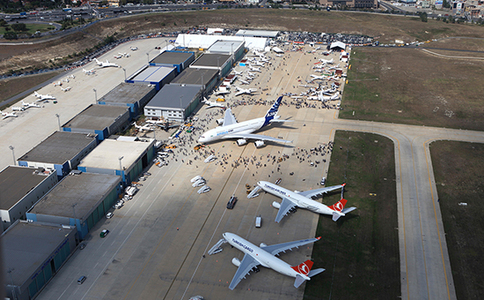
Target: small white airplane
x=237, y=73
x=292, y=200
x=105, y=64
x=279, y=55
x=266, y=256
x=89, y=72
x=147, y=127
x=65, y=80
x=316, y=77
x=43, y=97
x=259, y=63
x=254, y=69
x=335, y=96
x=66, y=89
x=29, y=105
x=327, y=61
x=18, y=108
x=58, y=83
x=118, y=56
x=244, y=91
x=251, y=74
x=213, y=104
x=8, y=115
x=230, y=129
x=125, y=54
x=243, y=82
x=134, y=48
x=222, y=92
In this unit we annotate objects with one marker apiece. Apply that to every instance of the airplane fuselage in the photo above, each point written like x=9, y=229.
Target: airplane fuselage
x=299, y=200
x=263, y=257
x=242, y=127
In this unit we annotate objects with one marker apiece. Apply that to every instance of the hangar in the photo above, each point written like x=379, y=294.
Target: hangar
x=205, y=41
x=32, y=254
x=233, y=48
x=178, y=59
x=79, y=200
x=102, y=120
x=257, y=33
x=174, y=102
x=133, y=95
x=119, y=157
x=20, y=189
x=214, y=61
x=155, y=75
x=207, y=78
x=60, y=152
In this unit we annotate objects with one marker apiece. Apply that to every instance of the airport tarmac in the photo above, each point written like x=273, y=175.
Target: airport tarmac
x=158, y=239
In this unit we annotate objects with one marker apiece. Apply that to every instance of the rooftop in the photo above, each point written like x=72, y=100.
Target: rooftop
x=15, y=183
x=127, y=93
x=96, y=117
x=151, y=74
x=210, y=60
x=26, y=246
x=106, y=155
x=257, y=33
x=195, y=76
x=175, y=96
x=172, y=57
x=76, y=196
x=225, y=46
x=59, y=147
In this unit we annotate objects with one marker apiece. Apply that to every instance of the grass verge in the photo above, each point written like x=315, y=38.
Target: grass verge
x=459, y=179
x=12, y=87
x=360, y=251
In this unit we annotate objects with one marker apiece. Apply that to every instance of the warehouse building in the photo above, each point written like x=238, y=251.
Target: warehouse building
x=60, y=152
x=207, y=78
x=205, y=41
x=234, y=48
x=102, y=120
x=216, y=61
x=174, y=102
x=258, y=33
x=154, y=75
x=79, y=200
x=20, y=189
x=178, y=59
x=120, y=157
x=133, y=95
x=32, y=254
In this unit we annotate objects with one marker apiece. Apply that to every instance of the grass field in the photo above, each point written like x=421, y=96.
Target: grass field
x=360, y=251
x=12, y=87
x=458, y=169
x=408, y=86
x=32, y=28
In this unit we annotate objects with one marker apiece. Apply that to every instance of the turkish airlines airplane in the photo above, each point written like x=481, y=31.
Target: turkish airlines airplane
x=266, y=256
x=292, y=200
x=242, y=131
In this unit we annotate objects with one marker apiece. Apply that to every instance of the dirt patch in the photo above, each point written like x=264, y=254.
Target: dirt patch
x=459, y=178
x=12, y=87
x=409, y=86
x=360, y=251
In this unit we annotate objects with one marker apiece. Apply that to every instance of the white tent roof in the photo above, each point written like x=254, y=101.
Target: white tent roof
x=205, y=41
x=338, y=44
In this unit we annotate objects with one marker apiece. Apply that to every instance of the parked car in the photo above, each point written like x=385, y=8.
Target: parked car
x=231, y=203
x=104, y=233
x=109, y=215
x=82, y=246
x=81, y=279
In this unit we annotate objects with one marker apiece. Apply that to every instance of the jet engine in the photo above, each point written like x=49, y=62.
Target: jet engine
x=276, y=204
x=219, y=121
x=241, y=142
x=236, y=262
x=262, y=245
x=259, y=144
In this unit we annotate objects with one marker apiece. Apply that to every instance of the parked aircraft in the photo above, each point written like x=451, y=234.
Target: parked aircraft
x=165, y=125
x=335, y=96
x=43, y=97
x=327, y=61
x=118, y=56
x=212, y=104
x=292, y=200
x=8, y=115
x=105, y=64
x=66, y=89
x=147, y=127
x=222, y=92
x=134, y=48
x=89, y=72
x=244, y=91
x=243, y=82
x=250, y=74
x=316, y=77
x=266, y=256
x=237, y=73
x=254, y=69
x=230, y=129
x=29, y=105
x=58, y=83
x=18, y=108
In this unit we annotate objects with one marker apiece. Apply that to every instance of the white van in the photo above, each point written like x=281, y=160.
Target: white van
x=258, y=222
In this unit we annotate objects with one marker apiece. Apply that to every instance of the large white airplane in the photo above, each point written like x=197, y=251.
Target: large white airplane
x=213, y=104
x=43, y=97
x=244, y=91
x=266, y=256
x=230, y=129
x=105, y=64
x=8, y=115
x=292, y=200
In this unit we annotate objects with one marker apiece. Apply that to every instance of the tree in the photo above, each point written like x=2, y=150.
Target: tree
x=423, y=17
x=19, y=27
x=10, y=35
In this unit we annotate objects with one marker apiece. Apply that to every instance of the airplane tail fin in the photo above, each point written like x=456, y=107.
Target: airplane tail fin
x=303, y=269
x=339, y=210
x=272, y=112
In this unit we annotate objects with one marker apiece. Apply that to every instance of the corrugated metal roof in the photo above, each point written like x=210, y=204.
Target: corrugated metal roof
x=174, y=96
x=205, y=41
x=257, y=33
x=152, y=74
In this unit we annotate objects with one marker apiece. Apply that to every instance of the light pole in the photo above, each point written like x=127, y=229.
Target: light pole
x=95, y=95
x=58, y=120
x=120, y=165
x=74, y=211
x=13, y=154
x=124, y=74
x=148, y=56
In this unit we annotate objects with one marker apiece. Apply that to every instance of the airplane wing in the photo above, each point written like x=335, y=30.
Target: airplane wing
x=254, y=137
x=278, y=248
x=229, y=118
x=318, y=192
x=286, y=206
x=247, y=264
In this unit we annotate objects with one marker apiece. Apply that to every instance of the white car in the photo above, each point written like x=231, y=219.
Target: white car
x=109, y=215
